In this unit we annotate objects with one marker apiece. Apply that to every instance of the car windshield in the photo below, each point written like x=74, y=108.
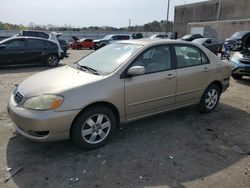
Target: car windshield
x=109, y=58
x=186, y=36
x=5, y=40
x=107, y=37
x=239, y=34
x=199, y=41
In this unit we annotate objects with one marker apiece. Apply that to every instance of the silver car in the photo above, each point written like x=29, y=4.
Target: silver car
x=121, y=82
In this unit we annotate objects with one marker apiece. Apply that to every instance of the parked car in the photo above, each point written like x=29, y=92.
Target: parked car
x=235, y=41
x=240, y=62
x=111, y=38
x=210, y=43
x=118, y=83
x=159, y=36
x=191, y=37
x=16, y=50
x=82, y=43
x=137, y=36
x=52, y=36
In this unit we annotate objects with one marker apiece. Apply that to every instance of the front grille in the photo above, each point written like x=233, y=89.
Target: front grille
x=18, y=97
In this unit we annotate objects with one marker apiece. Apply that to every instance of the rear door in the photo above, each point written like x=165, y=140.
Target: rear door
x=193, y=74
x=88, y=43
x=35, y=49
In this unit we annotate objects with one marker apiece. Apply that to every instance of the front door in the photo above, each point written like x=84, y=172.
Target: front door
x=13, y=51
x=155, y=90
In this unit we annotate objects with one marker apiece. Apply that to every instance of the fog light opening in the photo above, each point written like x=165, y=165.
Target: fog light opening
x=39, y=133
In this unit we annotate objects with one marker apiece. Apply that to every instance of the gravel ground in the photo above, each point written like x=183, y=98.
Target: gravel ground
x=182, y=148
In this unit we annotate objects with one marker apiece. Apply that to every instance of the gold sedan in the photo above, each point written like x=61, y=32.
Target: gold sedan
x=121, y=82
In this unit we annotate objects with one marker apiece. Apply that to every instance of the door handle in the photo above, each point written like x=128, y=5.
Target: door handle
x=170, y=76
x=205, y=69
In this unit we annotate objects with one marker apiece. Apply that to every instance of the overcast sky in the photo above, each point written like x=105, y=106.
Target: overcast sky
x=79, y=13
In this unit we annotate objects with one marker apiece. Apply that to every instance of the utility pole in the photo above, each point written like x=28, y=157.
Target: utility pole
x=129, y=22
x=219, y=9
x=167, y=16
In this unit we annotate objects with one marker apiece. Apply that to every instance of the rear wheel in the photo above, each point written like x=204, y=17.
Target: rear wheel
x=94, y=127
x=52, y=60
x=210, y=98
x=237, y=76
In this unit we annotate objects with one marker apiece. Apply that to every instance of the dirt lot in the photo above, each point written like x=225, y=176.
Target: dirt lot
x=177, y=149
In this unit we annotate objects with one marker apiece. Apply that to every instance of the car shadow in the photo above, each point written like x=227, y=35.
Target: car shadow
x=25, y=68
x=164, y=150
x=244, y=80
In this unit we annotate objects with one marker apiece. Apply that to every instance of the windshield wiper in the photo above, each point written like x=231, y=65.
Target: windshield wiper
x=89, y=69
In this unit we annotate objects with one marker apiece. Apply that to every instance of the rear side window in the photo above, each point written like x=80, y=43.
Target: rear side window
x=51, y=44
x=187, y=56
x=120, y=37
x=33, y=43
x=123, y=37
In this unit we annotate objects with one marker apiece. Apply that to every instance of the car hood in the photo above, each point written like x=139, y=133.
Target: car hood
x=75, y=38
x=97, y=40
x=56, y=81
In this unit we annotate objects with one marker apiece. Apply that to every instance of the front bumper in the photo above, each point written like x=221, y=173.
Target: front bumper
x=47, y=125
x=239, y=68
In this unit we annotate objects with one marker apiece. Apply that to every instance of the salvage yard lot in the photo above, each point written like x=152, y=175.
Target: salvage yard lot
x=182, y=148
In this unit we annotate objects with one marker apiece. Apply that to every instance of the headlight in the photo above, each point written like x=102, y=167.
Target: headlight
x=43, y=102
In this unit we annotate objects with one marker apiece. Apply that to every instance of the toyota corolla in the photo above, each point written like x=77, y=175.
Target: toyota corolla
x=123, y=81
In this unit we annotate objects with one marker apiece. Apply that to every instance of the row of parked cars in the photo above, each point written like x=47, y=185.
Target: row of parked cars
x=37, y=46
x=239, y=42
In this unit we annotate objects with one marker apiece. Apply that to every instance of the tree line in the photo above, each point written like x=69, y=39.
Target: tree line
x=155, y=26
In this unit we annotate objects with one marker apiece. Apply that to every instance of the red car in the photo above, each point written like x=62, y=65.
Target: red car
x=82, y=43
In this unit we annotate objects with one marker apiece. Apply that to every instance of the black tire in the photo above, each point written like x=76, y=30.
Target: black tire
x=52, y=60
x=80, y=124
x=208, y=104
x=237, y=76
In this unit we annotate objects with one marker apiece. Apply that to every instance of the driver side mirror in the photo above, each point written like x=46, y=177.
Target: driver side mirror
x=2, y=46
x=136, y=71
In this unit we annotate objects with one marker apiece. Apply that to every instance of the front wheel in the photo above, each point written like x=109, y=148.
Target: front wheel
x=210, y=99
x=94, y=127
x=52, y=60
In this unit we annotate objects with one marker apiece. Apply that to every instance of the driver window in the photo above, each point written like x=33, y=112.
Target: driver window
x=14, y=44
x=156, y=59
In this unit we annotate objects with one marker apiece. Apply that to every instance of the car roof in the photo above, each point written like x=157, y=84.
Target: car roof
x=24, y=37
x=146, y=41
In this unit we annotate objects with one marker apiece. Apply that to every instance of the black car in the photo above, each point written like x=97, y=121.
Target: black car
x=191, y=37
x=210, y=43
x=16, y=50
x=41, y=34
x=235, y=41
